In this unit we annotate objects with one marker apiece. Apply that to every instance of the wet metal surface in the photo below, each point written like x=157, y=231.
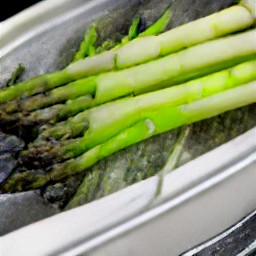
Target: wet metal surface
x=238, y=240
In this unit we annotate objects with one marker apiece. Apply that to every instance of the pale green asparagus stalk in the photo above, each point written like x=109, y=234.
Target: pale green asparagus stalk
x=99, y=124
x=190, y=91
x=87, y=46
x=84, y=50
x=141, y=50
x=62, y=111
x=151, y=122
x=173, y=69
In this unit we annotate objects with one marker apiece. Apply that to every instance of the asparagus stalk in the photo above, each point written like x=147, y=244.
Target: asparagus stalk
x=153, y=30
x=160, y=25
x=151, y=122
x=62, y=111
x=189, y=91
x=84, y=50
x=134, y=31
x=132, y=34
x=228, y=21
x=87, y=44
x=99, y=124
x=173, y=69
x=105, y=182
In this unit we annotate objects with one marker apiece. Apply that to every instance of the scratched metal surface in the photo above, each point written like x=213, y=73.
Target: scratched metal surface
x=240, y=239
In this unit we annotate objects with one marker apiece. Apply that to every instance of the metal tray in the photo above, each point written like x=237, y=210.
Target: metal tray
x=197, y=201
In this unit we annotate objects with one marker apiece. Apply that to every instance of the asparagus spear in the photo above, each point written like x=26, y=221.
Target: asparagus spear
x=87, y=44
x=230, y=20
x=62, y=111
x=99, y=124
x=172, y=69
x=134, y=31
x=160, y=25
x=84, y=50
x=151, y=122
x=155, y=29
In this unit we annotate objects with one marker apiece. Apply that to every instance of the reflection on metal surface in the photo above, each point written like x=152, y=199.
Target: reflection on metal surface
x=250, y=250
x=226, y=236
x=37, y=19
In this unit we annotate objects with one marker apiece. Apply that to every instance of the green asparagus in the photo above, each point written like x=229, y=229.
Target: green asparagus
x=141, y=50
x=99, y=124
x=151, y=122
x=160, y=25
x=62, y=111
x=173, y=69
x=87, y=44
x=94, y=132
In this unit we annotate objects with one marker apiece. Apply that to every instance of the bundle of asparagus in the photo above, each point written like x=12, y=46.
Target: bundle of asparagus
x=223, y=79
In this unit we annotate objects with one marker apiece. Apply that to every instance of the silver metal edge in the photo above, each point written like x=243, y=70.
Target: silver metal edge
x=221, y=236
x=37, y=19
x=249, y=249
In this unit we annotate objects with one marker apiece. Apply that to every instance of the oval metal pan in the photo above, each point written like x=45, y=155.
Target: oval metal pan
x=199, y=200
